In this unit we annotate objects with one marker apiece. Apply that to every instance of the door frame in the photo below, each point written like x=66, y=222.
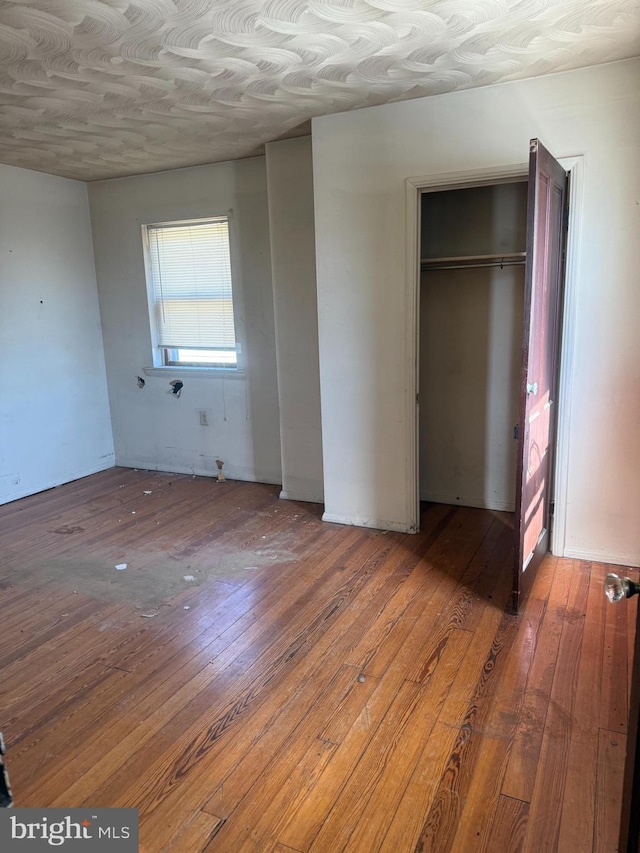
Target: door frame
x=474, y=178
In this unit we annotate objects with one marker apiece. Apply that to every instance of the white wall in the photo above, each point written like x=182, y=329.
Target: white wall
x=54, y=412
x=293, y=265
x=152, y=428
x=361, y=162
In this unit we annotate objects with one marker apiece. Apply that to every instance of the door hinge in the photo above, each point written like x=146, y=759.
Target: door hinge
x=516, y=431
x=565, y=218
x=417, y=399
x=552, y=508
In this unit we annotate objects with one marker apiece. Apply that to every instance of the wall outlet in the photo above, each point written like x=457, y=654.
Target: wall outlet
x=204, y=417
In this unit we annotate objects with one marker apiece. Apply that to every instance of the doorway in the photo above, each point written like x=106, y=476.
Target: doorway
x=542, y=466
x=472, y=255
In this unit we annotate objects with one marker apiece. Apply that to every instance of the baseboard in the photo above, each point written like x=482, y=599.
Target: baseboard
x=375, y=523
x=288, y=495
x=198, y=471
x=498, y=506
x=595, y=556
x=8, y=497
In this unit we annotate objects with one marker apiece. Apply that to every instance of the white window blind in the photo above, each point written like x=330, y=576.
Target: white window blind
x=190, y=268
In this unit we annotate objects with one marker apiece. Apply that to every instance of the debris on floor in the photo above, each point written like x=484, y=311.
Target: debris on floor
x=188, y=578
x=121, y=567
x=221, y=478
x=146, y=493
x=157, y=610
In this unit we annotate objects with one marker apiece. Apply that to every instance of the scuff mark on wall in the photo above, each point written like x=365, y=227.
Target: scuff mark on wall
x=220, y=478
x=177, y=386
x=140, y=381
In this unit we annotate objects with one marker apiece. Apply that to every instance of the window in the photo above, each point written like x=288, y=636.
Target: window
x=189, y=267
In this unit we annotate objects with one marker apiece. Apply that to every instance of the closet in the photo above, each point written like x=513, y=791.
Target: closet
x=472, y=282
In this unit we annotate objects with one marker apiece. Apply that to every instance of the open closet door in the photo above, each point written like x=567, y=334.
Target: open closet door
x=539, y=378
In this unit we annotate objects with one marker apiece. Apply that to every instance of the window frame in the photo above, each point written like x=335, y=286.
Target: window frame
x=161, y=361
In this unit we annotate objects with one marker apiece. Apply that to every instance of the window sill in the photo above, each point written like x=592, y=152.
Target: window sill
x=195, y=372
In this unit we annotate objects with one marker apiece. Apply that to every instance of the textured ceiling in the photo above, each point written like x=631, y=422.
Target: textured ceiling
x=101, y=88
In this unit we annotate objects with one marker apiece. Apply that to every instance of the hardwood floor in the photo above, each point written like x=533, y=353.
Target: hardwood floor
x=257, y=680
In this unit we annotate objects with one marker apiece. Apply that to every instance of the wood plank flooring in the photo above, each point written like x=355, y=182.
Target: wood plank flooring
x=257, y=680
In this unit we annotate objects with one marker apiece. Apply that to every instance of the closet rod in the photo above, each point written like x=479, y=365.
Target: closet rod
x=427, y=266
x=496, y=256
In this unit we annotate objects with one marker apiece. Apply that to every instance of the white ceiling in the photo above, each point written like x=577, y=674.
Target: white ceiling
x=94, y=89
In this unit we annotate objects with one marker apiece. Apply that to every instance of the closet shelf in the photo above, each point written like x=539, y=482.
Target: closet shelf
x=507, y=259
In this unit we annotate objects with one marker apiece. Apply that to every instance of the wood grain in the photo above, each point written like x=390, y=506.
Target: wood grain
x=611, y=756
x=509, y=826
x=547, y=804
x=318, y=687
x=194, y=836
x=520, y=775
x=578, y=815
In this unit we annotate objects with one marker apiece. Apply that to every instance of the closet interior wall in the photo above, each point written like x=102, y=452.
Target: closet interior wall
x=471, y=345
